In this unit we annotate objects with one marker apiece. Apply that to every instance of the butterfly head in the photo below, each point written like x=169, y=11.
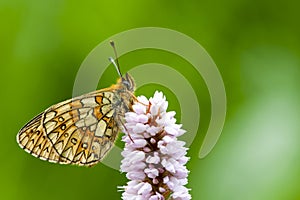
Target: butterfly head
x=128, y=82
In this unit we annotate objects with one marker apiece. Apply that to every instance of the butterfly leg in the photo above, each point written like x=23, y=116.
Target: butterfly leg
x=136, y=99
x=123, y=125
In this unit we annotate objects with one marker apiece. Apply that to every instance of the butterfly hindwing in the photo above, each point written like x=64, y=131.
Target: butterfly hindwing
x=78, y=131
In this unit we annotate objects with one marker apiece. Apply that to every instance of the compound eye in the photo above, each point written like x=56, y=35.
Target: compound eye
x=126, y=83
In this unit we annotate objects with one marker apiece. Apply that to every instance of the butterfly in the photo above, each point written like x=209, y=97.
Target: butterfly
x=81, y=130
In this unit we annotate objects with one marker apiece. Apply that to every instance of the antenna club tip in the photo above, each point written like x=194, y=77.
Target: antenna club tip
x=112, y=43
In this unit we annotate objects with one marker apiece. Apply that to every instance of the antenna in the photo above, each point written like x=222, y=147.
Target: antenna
x=115, y=64
x=116, y=61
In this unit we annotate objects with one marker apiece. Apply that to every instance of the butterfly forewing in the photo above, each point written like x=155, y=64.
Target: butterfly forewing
x=78, y=131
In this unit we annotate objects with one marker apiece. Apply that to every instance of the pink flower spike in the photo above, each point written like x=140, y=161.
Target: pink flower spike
x=153, y=158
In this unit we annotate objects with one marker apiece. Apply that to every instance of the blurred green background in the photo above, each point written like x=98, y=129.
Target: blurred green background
x=255, y=44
